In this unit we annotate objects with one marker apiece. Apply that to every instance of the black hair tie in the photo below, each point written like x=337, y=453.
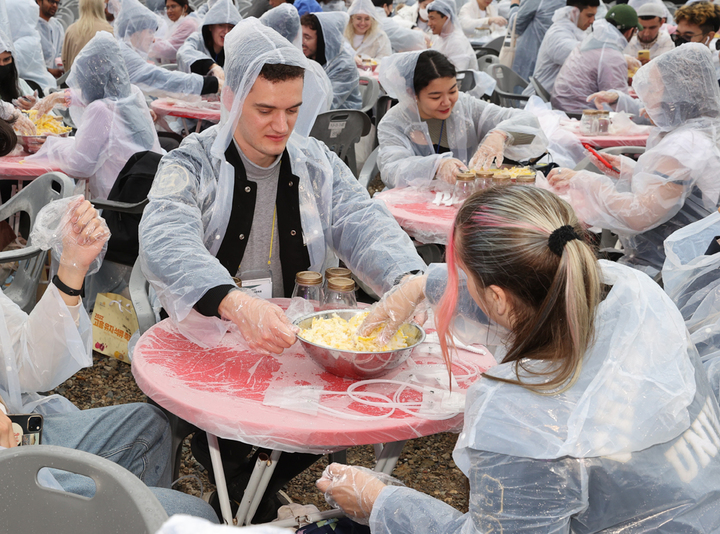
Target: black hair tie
x=560, y=237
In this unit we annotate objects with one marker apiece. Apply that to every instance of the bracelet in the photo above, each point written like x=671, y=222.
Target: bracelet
x=68, y=290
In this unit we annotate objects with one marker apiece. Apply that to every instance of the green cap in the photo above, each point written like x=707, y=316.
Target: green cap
x=623, y=16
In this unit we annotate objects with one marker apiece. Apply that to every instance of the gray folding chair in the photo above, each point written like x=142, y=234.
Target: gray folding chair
x=539, y=89
x=370, y=91
x=370, y=169
x=485, y=61
x=465, y=80
x=509, y=86
x=383, y=105
x=30, y=200
x=492, y=48
x=122, y=503
x=340, y=130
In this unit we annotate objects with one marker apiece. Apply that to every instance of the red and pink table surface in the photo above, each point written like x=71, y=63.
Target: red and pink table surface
x=415, y=212
x=18, y=168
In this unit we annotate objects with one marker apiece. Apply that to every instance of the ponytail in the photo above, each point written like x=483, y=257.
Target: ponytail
x=503, y=237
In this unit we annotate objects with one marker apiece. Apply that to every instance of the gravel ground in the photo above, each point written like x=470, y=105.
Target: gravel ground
x=426, y=463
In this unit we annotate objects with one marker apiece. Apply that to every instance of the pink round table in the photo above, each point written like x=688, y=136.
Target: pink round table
x=18, y=168
x=418, y=216
x=223, y=391
x=209, y=111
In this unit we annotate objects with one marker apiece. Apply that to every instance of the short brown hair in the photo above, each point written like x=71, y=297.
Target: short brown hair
x=705, y=15
x=275, y=72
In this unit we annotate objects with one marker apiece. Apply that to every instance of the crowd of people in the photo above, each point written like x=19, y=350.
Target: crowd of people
x=602, y=411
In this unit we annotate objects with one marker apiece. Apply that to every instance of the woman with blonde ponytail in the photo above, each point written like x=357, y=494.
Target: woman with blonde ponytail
x=598, y=416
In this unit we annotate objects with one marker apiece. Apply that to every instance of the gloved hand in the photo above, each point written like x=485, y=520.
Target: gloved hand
x=26, y=102
x=633, y=63
x=498, y=21
x=448, y=170
x=23, y=125
x=612, y=159
x=352, y=489
x=49, y=102
x=217, y=71
x=221, y=84
x=492, y=149
x=396, y=308
x=559, y=179
x=84, y=236
x=264, y=325
x=603, y=97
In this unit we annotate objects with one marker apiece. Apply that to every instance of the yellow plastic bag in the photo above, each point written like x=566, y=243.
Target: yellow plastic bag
x=114, y=322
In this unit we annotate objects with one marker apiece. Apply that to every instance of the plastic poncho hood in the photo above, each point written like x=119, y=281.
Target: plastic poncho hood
x=363, y=7
x=222, y=12
x=6, y=44
x=99, y=71
x=685, y=82
x=569, y=13
x=604, y=34
x=633, y=391
x=285, y=20
x=447, y=8
x=333, y=27
x=339, y=63
x=28, y=54
x=133, y=18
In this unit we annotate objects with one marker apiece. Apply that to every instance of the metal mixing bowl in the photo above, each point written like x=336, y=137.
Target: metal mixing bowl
x=359, y=365
x=33, y=143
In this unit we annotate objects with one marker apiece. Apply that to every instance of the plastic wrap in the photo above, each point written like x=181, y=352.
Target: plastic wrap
x=202, y=110
x=407, y=156
x=598, y=64
x=165, y=48
x=191, y=199
x=52, y=35
x=402, y=39
x=28, y=53
x=234, y=393
x=185, y=524
x=111, y=116
x=564, y=145
x=339, y=63
x=194, y=49
x=534, y=17
x=377, y=44
x=452, y=41
x=671, y=184
x=562, y=37
x=414, y=210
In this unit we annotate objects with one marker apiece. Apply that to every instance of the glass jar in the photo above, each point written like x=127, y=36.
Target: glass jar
x=483, y=180
x=464, y=187
x=501, y=178
x=526, y=177
x=595, y=122
x=340, y=294
x=336, y=272
x=308, y=286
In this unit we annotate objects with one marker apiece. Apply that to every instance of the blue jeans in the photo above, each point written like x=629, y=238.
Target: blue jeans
x=134, y=436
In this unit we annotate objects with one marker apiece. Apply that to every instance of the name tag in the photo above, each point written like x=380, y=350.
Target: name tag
x=262, y=287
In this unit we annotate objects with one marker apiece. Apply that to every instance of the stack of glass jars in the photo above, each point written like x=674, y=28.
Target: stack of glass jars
x=339, y=294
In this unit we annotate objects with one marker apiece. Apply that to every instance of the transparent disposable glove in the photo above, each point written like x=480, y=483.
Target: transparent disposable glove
x=23, y=125
x=560, y=178
x=217, y=71
x=498, y=21
x=7, y=436
x=613, y=160
x=492, y=149
x=396, y=308
x=353, y=489
x=49, y=102
x=448, y=170
x=633, y=63
x=26, y=102
x=221, y=84
x=264, y=325
x=603, y=97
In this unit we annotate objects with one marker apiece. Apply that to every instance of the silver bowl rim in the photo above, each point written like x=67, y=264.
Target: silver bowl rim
x=356, y=311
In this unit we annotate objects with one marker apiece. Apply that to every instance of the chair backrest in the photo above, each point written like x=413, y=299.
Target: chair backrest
x=539, y=89
x=370, y=169
x=465, y=80
x=496, y=44
x=122, y=502
x=509, y=85
x=30, y=200
x=340, y=130
x=384, y=103
x=139, y=289
x=485, y=61
x=370, y=91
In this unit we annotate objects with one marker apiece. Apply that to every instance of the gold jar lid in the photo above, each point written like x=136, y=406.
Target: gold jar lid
x=337, y=272
x=526, y=178
x=591, y=111
x=502, y=176
x=341, y=284
x=484, y=174
x=308, y=278
x=465, y=177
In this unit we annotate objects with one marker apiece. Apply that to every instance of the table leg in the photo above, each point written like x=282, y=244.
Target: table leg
x=388, y=457
x=220, y=484
x=199, y=124
x=263, y=484
x=255, y=489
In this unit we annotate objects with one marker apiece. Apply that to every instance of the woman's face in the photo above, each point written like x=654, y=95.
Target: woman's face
x=438, y=99
x=483, y=4
x=361, y=23
x=5, y=59
x=174, y=11
x=218, y=32
x=142, y=41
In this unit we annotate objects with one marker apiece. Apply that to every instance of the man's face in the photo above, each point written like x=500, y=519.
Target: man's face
x=587, y=17
x=388, y=9
x=692, y=33
x=268, y=118
x=218, y=32
x=436, y=21
x=650, y=30
x=483, y=4
x=48, y=8
x=309, y=42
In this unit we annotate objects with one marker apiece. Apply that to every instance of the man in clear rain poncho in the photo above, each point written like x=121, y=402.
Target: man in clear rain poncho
x=135, y=29
x=52, y=35
x=204, y=51
x=222, y=197
x=448, y=36
x=532, y=19
x=674, y=182
x=418, y=143
x=324, y=42
x=599, y=65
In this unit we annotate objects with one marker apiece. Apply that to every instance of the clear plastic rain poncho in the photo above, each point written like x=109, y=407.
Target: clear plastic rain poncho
x=673, y=183
x=598, y=64
x=135, y=29
x=165, y=48
x=452, y=41
x=112, y=119
x=52, y=35
x=185, y=524
x=191, y=199
x=562, y=37
x=376, y=45
x=28, y=54
x=402, y=38
x=285, y=20
x=534, y=17
x=407, y=155
x=633, y=437
x=195, y=49
x=339, y=63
